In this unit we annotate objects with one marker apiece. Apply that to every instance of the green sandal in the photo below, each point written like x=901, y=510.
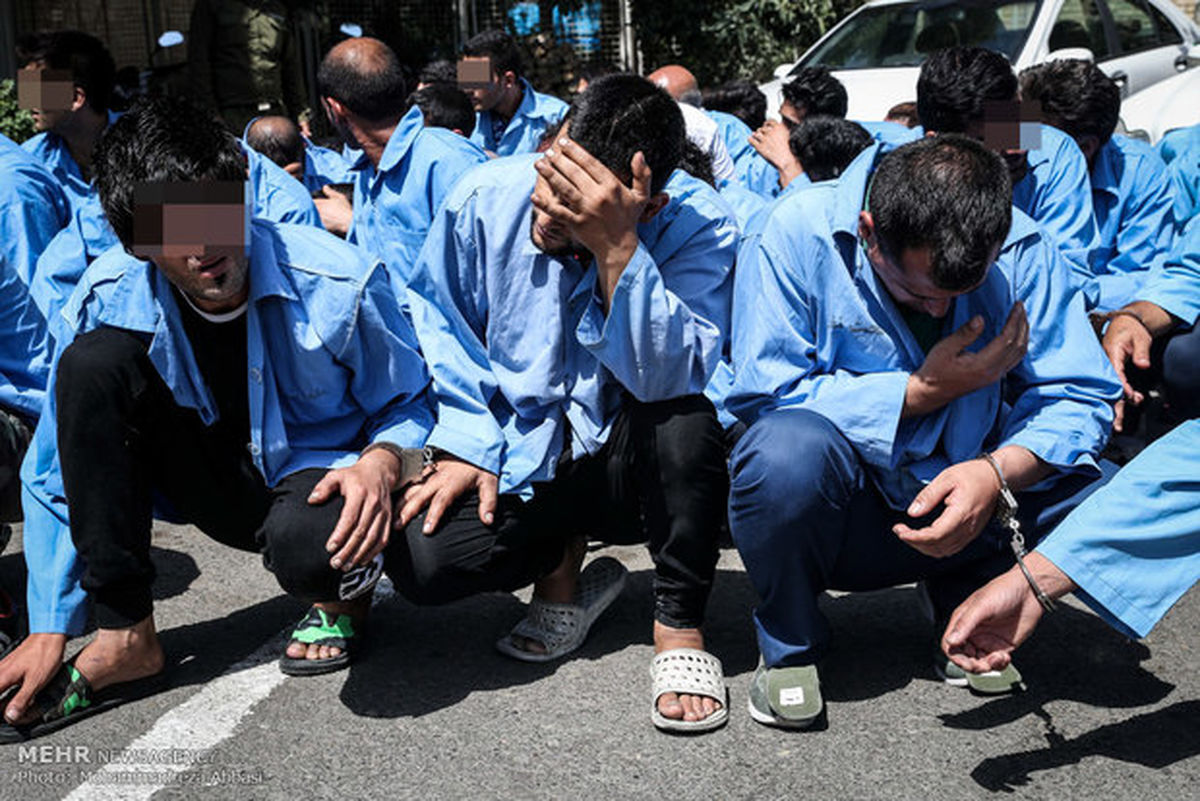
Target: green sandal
x=320, y=628
x=69, y=698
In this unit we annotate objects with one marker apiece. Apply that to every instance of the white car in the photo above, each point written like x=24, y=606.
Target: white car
x=1163, y=107
x=876, y=52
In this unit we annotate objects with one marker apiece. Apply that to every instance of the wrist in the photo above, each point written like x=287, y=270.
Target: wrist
x=386, y=458
x=919, y=397
x=1053, y=581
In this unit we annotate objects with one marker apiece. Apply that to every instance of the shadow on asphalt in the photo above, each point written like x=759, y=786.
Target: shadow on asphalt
x=1154, y=740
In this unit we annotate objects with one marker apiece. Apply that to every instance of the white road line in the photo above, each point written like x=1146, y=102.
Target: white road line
x=196, y=726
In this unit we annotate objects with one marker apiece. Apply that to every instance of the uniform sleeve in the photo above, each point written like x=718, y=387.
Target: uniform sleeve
x=448, y=301
x=1133, y=547
x=667, y=322
x=390, y=381
x=775, y=343
x=1064, y=209
x=30, y=216
x=1145, y=236
x=1062, y=391
x=1175, y=285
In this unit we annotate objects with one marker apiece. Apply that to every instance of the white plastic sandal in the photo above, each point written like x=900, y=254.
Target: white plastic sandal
x=688, y=671
x=561, y=628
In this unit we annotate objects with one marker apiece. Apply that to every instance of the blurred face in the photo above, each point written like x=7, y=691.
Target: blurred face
x=197, y=235
x=49, y=95
x=1009, y=128
x=486, y=98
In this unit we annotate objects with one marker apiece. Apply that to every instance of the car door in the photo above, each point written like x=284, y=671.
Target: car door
x=1149, y=48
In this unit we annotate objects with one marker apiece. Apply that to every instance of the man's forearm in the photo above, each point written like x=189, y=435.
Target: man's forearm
x=1157, y=320
x=1022, y=469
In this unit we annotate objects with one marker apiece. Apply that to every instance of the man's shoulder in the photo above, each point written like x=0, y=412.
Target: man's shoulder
x=508, y=177
x=313, y=251
x=25, y=176
x=547, y=106
x=1139, y=157
x=441, y=144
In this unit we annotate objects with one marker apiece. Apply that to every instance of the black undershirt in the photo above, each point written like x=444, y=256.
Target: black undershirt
x=220, y=351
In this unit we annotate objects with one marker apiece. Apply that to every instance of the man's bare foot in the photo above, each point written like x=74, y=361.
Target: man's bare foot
x=557, y=587
x=682, y=707
x=356, y=609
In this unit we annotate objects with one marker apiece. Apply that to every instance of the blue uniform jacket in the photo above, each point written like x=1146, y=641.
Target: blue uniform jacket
x=1133, y=200
x=536, y=114
x=1180, y=149
x=1174, y=285
x=33, y=208
x=394, y=203
x=333, y=366
x=814, y=328
x=518, y=342
x=1056, y=192
x=51, y=150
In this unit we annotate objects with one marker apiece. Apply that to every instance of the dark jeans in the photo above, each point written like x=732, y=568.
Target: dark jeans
x=15, y=434
x=806, y=517
x=1181, y=371
x=124, y=442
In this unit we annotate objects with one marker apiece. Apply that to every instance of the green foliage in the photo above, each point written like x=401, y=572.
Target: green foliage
x=15, y=123
x=719, y=40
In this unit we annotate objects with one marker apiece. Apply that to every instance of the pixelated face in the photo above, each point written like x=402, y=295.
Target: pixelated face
x=1011, y=128
x=197, y=234
x=48, y=94
x=479, y=79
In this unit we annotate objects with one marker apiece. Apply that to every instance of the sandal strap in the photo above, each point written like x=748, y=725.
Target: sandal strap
x=320, y=628
x=688, y=671
x=550, y=624
x=67, y=692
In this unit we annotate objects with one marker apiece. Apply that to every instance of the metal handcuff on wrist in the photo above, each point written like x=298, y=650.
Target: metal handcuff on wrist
x=1006, y=516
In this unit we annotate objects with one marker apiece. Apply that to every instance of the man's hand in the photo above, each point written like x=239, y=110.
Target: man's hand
x=451, y=477
x=771, y=142
x=336, y=210
x=985, y=629
x=950, y=371
x=365, y=524
x=599, y=211
x=969, y=491
x=30, y=667
x=1126, y=341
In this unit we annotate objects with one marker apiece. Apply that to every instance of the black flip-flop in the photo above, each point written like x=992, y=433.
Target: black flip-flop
x=68, y=698
x=320, y=628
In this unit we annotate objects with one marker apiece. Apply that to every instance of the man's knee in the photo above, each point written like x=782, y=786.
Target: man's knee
x=98, y=360
x=293, y=537
x=689, y=444
x=792, y=451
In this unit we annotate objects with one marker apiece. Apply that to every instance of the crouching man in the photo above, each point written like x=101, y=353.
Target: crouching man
x=906, y=346
x=259, y=378
x=572, y=307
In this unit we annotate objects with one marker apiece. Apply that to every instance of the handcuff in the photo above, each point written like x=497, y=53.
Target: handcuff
x=413, y=461
x=1006, y=517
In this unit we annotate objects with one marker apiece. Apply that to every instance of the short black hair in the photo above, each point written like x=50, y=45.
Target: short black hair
x=499, y=47
x=1076, y=96
x=91, y=65
x=161, y=139
x=375, y=93
x=741, y=98
x=277, y=138
x=591, y=70
x=826, y=145
x=814, y=90
x=440, y=71
x=956, y=83
x=446, y=106
x=948, y=193
x=618, y=115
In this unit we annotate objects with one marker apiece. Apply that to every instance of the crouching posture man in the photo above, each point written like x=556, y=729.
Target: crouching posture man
x=258, y=378
x=906, y=346
x=573, y=313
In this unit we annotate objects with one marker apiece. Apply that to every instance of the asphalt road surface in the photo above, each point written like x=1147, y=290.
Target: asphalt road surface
x=432, y=711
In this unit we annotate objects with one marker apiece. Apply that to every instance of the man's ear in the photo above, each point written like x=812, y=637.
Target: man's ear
x=509, y=78
x=866, y=229
x=79, y=99
x=333, y=109
x=654, y=205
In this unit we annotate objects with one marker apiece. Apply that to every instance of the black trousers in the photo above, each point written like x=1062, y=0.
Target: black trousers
x=124, y=444
x=15, y=434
